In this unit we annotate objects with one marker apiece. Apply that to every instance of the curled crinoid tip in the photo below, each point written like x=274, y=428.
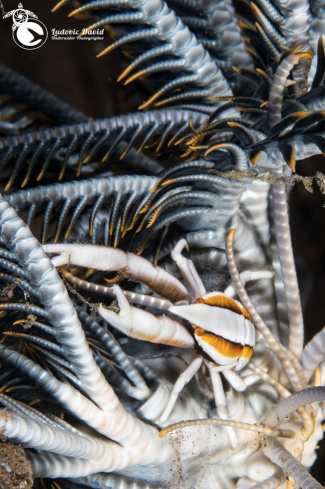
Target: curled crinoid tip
x=232, y=233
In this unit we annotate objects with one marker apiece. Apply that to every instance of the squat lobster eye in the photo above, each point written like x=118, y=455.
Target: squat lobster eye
x=222, y=328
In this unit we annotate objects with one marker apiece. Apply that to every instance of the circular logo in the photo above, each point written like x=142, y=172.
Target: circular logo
x=19, y=17
x=29, y=35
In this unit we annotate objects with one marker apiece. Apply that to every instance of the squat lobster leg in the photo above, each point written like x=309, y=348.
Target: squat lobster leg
x=220, y=400
x=181, y=382
x=188, y=270
x=234, y=380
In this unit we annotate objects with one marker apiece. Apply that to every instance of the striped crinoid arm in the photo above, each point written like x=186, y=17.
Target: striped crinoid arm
x=317, y=27
x=196, y=74
x=100, y=408
x=21, y=92
x=93, y=197
x=286, y=258
x=296, y=136
x=279, y=82
x=290, y=465
x=280, y=25
x=313, y=354
x=280, y=207
x=286, y=407
x=215, y=24
x=55, y=438
x=111, y=480
x=173, y=201
x=276, y=347
x=207, y=229
x=25, y=244
x=69, y=148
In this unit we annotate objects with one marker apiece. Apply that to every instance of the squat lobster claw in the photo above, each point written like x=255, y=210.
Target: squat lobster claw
x=223, y=331
x=142, y=325
x=132, y=266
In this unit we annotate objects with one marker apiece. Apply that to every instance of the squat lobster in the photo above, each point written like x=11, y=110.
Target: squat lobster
x=223, y=336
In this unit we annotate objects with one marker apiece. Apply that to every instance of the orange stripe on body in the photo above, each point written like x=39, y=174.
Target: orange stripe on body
x=247, y=352
x=226, y=303
x=225, y=347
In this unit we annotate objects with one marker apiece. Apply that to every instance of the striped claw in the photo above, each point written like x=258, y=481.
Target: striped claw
x=142, y=325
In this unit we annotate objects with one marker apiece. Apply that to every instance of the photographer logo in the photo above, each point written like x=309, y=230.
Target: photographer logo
x=27, y=31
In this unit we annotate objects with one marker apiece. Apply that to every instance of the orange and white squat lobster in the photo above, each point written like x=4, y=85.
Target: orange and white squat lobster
x=223, y=336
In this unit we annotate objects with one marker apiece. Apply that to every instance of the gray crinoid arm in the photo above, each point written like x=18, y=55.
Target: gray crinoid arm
x=104, y=422
x=96, y=192
x=317, y=28
x=77, y=470
x=284, y=24
x=313, y=354
x=215, y=24
x=23, y=91
x=156, y=22
x=91, y=140
x=285, y=251
x=107, y=415
x=280, y=207
x=295, y=22
x=105, y=481
x=282, y=310
x=279, y=455
x=283, y=409
x=56, y=302
x=206, y=233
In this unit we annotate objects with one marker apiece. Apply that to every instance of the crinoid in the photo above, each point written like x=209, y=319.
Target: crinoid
x=166, y=271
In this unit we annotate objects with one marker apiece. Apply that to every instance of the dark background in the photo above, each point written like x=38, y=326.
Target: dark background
x=70, y=70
